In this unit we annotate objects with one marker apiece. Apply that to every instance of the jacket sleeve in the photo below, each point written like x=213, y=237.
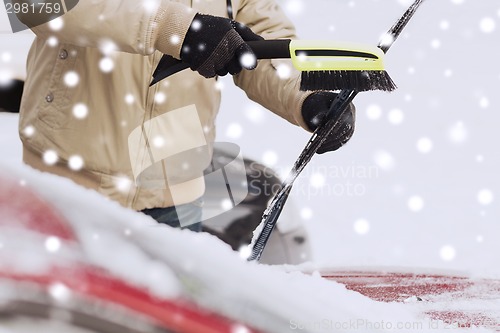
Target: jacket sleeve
x=132, y=26
x=274, y=83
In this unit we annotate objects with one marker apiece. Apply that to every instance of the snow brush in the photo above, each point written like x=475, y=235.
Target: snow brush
x=324, y=65
x=271, y=214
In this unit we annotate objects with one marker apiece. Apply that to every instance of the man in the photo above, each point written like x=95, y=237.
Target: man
x=89, y=114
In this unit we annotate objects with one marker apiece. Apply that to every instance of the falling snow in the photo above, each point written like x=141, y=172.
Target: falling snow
x=306, y=213
x=395, y=116
x=415, y=203
x=80, y=111
x=447, y=253
x=361, y=226
x=52, y=244
x=317, y=180
x=487, y=25
x=71, y=78
x=59, y=292
x=485, y=197
x=270, y=158
x=234, y=131
x=458, y=132
x=284, y=71
x=5, y=77
x=160, y=97
x=75, y=162
x=56, y=24
x=129, y=99
x=384, y=160
x=106, y=64
x=248, y=60
x=373, y=112
x=52, y=41
x=50, y=157
x=424, y=145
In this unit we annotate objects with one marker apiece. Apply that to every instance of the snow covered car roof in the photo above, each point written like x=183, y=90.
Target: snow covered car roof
x=72, y=243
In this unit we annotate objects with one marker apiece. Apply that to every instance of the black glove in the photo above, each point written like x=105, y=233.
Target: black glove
x=314, y=110
x=215, y=46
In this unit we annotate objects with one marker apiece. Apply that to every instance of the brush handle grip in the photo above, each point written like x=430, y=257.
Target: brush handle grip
x=271, y=49
x=263, y=49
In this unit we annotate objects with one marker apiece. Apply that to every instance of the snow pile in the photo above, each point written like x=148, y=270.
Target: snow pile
x=199, y=266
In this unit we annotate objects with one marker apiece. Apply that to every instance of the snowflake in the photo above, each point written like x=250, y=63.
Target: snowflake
x=226, y=204
x=386, y=40
x=395, y=116
x=175, y=39
x=248, y=60
x=52, y=244
x=59, y=291
x=6, y=57
x=435, y=43
x=284, y=71
x=158, y=141
x=160, y=97
x=106, y=64
x=107, y=47
x=129, y=99
x=219, y=85
x=294, y=7
x=485, y=197
x=255, y=114
x=457, y=133
x=6, y=77
x=196, y=25
x=484, y=102
x=239, y=328
x=424, y=145
x=52, y=41
x=245, y=251
x=122, y=183
x=384, y=160
x=447, y=253
x=71, y=78
x=415, y=203
x=80, y=111
x=50, y=157
x=373, y=112
x=361, y=226
x=306, y=213
x=234, y=131
x=56, y=24
x=487, y=25
x=150, y=5
x=317, y=180
x=75, y=162
x=270, y=158
x=444, y=25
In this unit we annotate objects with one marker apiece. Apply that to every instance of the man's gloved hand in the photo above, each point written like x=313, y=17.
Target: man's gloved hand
x=216, y=46
x=314, y=110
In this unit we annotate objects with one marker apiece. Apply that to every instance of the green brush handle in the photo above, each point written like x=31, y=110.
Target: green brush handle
x=263, y=49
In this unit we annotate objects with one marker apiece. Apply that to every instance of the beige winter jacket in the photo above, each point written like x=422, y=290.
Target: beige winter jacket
x=89, y=114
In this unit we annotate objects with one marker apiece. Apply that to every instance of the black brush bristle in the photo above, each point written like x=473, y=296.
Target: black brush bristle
x=346, y=79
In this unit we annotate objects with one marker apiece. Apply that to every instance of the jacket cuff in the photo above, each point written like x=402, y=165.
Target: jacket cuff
x=299, y=101
x=169, y=27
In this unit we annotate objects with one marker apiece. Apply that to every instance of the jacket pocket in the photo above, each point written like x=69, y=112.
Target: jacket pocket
x=64, y=81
